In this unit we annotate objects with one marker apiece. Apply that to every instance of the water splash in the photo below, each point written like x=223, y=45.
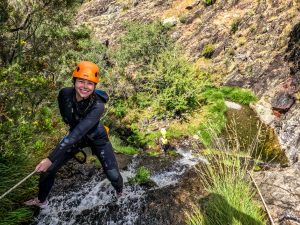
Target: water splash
x=92, y=203
x=173, y=174
x=95, y=202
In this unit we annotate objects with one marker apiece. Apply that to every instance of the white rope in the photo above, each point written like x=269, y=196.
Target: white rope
x=2, y=196
x=262, y=199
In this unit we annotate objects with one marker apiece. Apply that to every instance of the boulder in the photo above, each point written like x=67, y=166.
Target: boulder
x=171, y=21
x=280, y=188
x=282, y=102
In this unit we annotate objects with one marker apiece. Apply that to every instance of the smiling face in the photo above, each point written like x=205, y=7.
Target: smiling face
x=84, y=88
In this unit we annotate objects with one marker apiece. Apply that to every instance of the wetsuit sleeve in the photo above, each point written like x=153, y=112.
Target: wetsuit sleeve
x=87, y=123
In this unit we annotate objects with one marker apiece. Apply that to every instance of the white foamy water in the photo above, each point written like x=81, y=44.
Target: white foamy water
x=172, y=176
x=95, y=197
x=95, y=202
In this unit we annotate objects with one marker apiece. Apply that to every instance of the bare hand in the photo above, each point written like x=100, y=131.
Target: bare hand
x=43, y=165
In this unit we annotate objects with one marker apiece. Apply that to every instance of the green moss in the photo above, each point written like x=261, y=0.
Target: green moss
x=172, y=153
x=208, y=2
x=153, y=153
x=94, y=161
x=142, y=176
x=119, y=147
x=208, y=50
x=271, y=150
x=238, y=95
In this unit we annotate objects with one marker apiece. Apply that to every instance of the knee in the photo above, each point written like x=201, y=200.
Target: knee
x=113, y=175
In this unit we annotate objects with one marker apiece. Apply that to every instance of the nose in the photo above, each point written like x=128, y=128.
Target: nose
x=85, y=85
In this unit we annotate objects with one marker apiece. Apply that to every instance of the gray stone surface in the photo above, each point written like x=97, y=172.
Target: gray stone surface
x=281, y=191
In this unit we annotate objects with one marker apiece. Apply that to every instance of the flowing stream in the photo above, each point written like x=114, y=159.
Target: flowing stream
x=95, y=201
x=173, y=186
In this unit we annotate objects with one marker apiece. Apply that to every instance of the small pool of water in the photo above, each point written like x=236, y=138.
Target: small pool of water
x=245, y=129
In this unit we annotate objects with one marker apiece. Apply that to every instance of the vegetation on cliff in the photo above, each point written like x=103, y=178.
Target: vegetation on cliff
x=147, y=76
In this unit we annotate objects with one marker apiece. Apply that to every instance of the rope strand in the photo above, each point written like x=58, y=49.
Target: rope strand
x=24, y=179
x=262, y=199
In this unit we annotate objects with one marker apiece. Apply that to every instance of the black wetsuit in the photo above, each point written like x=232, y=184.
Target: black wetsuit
x=85, y=131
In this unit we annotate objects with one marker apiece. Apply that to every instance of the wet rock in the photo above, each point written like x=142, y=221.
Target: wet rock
x=282, y=102
x=123, y=160
x=90, y=200
x=157, y=163
x=149, y=184
x=168, y=205
x=233, y=105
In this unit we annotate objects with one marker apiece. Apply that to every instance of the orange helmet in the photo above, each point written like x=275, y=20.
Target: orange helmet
x=87, y=70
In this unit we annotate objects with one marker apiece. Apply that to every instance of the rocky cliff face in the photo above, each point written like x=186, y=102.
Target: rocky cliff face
x=254, y=44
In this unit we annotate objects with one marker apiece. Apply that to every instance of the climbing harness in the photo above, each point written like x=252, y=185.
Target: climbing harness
x=262, y=199
x=10, y=190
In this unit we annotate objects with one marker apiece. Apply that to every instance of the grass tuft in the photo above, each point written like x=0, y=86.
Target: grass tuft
x=230, y=192
x=142, y=176
x=119, y=147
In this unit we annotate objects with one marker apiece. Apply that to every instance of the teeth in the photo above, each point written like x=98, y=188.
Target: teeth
x=84, y=91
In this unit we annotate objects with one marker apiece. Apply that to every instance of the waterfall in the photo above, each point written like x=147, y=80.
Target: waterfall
x=96, y=203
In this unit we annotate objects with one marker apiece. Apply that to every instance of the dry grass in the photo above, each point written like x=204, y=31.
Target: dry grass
x=178, y=8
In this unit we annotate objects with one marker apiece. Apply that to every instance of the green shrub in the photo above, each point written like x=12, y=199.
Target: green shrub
x=142, y=176
x=119, y=108
x=137, y=138
x=183, y=18
x=235, y=26
x=141, y=43
x=119, y=147
x=208, y=2
x=208, y=50
x=176, y=82
x=23, y=91
x=82, y=32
